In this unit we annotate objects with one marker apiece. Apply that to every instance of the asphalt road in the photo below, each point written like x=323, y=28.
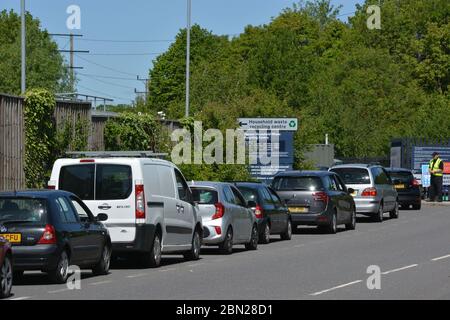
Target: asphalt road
x=412, y=252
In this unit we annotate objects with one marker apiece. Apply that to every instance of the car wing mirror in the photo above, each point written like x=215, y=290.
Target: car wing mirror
x=350, y=190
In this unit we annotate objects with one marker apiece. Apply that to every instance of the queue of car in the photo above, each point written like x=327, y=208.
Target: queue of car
x=101, y=207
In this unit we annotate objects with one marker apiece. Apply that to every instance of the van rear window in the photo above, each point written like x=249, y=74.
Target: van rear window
x=112, y=182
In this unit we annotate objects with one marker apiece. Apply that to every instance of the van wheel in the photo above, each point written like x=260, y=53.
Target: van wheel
x=287, y=234
x=253, y=244
x=194, y=253
x=226, y=247
x=6, y=278
x=394, y=213
x=152, y=259
x=102, y=267
x=61, y=273
x=378, y=217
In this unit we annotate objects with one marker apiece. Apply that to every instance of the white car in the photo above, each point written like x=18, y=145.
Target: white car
x=148, y=202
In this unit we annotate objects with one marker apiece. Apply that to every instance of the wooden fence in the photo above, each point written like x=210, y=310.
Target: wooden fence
x=12, y=135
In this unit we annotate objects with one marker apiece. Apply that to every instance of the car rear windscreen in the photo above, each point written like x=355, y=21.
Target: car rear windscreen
x=205, y=195
x=353, y=175
x=23, y=210
x=303, y=183
x=112, y=182
x=403, y=176
x=249, y=194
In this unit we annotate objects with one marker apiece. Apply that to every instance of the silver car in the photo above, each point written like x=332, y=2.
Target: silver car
x=373, y=190
x=227, y=218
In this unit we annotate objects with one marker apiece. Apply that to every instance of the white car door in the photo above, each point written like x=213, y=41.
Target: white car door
x=186, y=219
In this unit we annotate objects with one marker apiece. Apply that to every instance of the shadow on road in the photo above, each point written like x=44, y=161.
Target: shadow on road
x=39, y=279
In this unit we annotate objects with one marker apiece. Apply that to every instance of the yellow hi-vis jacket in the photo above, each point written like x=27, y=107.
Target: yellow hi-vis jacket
x=436, y=166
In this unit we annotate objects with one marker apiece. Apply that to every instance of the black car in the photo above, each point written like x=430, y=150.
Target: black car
x=271, y=212
x=52, y=230
x=318, y=198
x=408, y=188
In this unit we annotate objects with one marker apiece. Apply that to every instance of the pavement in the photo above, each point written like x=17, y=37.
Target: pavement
x=410, y=255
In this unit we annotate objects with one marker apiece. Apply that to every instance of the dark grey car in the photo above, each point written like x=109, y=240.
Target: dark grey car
x=317, y=198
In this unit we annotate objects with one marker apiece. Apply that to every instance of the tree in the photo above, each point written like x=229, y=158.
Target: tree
x=45, y=65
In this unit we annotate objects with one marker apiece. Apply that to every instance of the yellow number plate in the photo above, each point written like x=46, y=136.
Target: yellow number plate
x=298, y=209
x=12, y=237
x=399, y=186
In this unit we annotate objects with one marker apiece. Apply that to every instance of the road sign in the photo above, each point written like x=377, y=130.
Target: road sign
x=281, y=124
x=426, y=178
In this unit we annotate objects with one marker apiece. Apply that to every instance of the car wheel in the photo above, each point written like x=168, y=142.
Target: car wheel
x=332, y=228
x=394, y=213
x=378, y=217
x=253, y=244
x=194, y=253
x=226, y=246
x=152, y=259
x=6, y=278
x=352, y=224
x=287, y=234
x=102, y=267
x=265, y=236
x=61, y=273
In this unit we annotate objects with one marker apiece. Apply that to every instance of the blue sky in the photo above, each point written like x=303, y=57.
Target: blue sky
x=142, y=20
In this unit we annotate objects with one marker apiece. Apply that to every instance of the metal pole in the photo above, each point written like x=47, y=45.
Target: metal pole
x=188, y=54
x=23, y=40
x=72, y=76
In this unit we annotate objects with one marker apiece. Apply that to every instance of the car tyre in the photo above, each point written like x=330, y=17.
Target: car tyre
x=194, y=253
x=6, y=277
x=287, y=234
x=378, y=217
x=352, y=224
x=332, y=227
x=394, y=213
x=152, y=259
x=265, y=236
x=226, y=247
x=60, y=274
x=102, y=267
x=253, y=244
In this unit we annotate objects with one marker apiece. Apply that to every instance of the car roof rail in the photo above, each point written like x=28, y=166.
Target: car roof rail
x=116, y=154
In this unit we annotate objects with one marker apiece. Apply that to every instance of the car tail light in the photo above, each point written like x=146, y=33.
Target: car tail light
x=259, y=211
x=51, y=185
x=220, y=210
x=49, y=235
x=140, y=201
x=415, y=183
x=218, y=230
x=321, y=196
x=369, y=192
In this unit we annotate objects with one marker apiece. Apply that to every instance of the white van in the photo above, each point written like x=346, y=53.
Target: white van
x=148, y=202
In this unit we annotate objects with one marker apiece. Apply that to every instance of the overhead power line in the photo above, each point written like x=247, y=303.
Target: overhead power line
x=126, y=41
x=125, y=54
x=107, y=77
x=106, y=82
x=105, y=67
x=105, y=94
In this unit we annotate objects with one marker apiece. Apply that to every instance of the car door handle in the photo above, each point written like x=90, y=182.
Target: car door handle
x=104, y=207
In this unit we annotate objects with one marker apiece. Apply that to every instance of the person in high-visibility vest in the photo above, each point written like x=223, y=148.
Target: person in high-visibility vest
x=436, y=170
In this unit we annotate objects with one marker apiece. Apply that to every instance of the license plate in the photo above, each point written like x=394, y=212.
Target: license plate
x=399, y=186
x=298, y=210
x=12, y=237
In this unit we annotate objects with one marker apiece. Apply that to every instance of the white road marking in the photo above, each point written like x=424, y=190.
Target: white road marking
x=400, y=269
x=335, y=288
x=137, y=275
x=441, y=258
x=20, y=298
x=100, y=282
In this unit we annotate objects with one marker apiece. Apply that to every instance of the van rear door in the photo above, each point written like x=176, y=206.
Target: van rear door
x=104, y=188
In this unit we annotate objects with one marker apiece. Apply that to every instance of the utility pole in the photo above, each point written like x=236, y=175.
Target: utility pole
x=146, y=92
x=188, y=55
x=72, y=51
x=23, y=48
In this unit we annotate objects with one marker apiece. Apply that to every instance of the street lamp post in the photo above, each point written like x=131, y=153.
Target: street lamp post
x=188, y=55
x=23, y=40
